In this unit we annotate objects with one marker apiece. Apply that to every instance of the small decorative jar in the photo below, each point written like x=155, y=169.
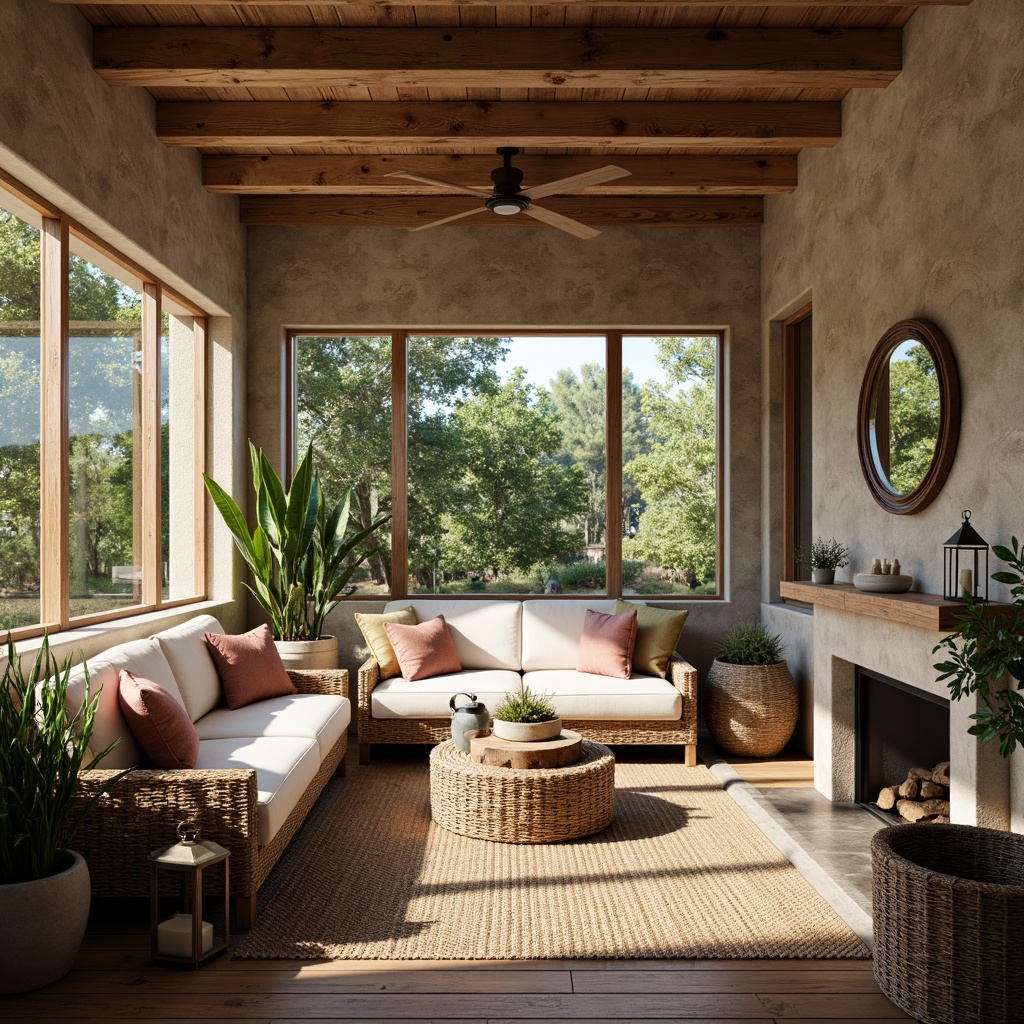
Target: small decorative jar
x=468, y=720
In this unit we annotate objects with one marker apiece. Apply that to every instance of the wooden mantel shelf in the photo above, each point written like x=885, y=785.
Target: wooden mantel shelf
x=929, y=611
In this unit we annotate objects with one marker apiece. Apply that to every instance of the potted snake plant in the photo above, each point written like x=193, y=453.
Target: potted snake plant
x=300, y=556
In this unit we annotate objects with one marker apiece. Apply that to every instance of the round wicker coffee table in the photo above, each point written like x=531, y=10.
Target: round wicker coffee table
x=522, y=805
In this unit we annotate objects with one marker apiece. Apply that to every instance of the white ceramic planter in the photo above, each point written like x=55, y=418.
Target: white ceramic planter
x=43, y=927
x=309, y=654
x=526, y=732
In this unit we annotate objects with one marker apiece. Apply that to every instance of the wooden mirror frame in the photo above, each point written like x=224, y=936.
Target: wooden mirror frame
x=925, y=333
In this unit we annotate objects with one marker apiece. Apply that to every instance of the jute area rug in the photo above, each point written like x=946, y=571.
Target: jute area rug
x=681, y=873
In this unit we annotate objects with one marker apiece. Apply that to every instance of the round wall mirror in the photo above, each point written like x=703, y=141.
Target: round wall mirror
x=909, y=416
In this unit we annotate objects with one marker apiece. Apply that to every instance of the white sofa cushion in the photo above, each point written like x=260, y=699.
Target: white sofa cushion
x=144, y=659
x=285, y=766
x=602, y=698
x=314, y=716
x=188, y=655
x=428, y=698
x=486, y=633
x=552, y=630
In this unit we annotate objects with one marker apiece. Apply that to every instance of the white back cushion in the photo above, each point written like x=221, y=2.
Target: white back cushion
x=143, y=658
x=486, y=633
x=552, y=629
x=189, y=657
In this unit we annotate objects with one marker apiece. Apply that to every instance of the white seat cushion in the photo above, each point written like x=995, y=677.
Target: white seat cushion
x=552, y=630
x=428, y=698
x=143, y=658
x=189, y=657
x=313, y=716
x=602, y=698
x=285, y=766
x=486, y=633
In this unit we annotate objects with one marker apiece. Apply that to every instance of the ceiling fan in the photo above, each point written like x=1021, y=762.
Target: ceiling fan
x=508, y=198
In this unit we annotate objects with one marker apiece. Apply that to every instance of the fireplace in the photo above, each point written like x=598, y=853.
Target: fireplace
x=897, y=728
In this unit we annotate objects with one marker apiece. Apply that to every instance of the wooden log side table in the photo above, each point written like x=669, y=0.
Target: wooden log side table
x=563, y=750
x=522, y=805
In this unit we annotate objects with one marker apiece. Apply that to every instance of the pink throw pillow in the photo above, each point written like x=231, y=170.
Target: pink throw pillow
x=606, y=646
x=160, y=725
x=249, y=666
x=424, y=650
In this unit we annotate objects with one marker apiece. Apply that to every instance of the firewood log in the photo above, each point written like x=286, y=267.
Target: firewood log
x=933, y=807
x=940, y=773
x=909, y=789
x=919, y=773
x=887, y=798
x=913, y=810
x=942, y=819
x=931, y=790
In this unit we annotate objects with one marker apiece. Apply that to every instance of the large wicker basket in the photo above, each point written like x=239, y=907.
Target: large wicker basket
x=948, y=905
x=750, y=709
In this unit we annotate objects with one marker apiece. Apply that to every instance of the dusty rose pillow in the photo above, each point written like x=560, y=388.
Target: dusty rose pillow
x=425, y=650
x=249, y=666
x=606, y=646
x=160, y=725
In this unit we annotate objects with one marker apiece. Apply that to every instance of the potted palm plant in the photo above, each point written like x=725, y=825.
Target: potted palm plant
x=44, y=885
x=300, y=556
x=750, y=700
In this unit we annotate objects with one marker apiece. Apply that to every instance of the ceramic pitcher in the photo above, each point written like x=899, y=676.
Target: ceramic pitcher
x=468, y=720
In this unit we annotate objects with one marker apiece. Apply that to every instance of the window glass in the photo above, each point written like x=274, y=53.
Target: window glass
x=179, y=546
x=19, y=422
x=343, y=407
x=105, y=415
x=670, y=458
x=506, y=464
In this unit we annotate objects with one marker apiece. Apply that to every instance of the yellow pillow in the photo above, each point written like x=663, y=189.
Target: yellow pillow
x=372, y=628
x=657, y=633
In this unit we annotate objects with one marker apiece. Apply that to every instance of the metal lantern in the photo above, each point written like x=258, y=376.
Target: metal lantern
x=966, y=574
x=185, y=938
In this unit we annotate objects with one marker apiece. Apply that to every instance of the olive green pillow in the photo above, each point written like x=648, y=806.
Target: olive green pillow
x=657, y=633
x=372, y=628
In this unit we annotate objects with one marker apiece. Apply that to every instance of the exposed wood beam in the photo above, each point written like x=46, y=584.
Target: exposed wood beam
x=469, y=125
x=258, y=174
x=480, y=58
x=739, y=4
x=598, y=211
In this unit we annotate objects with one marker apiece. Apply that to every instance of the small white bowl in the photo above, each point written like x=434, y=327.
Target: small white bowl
x=878, y=583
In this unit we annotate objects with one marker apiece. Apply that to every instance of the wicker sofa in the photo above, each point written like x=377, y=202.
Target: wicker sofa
x=259, y=771
x=501, y=642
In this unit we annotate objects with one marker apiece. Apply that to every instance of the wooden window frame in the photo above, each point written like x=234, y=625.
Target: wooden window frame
x=613, y=446
x=790, y=469
x=54, y=473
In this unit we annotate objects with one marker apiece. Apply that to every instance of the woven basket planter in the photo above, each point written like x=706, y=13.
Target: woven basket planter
x=948, y=903
x=750, y=709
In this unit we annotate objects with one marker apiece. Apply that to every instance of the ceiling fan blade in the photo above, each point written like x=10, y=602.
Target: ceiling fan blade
x=446, y=220
x=587, y=178
x=556, y=220
x=440, y=184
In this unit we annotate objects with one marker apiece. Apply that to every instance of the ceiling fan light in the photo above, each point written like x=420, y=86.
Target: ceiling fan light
x=506, y=209
x=506, y=206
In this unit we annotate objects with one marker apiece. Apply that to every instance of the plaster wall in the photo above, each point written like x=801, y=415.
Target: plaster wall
x=91, y=151
x=504, y=278
x=918, y=212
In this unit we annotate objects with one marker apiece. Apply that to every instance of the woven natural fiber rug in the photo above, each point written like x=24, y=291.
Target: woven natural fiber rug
x=681, y=873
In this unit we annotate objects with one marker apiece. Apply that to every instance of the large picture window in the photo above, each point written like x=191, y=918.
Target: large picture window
x=101, y=429
x=518, y=464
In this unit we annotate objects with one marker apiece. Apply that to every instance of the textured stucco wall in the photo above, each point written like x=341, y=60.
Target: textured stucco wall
x=528, y=278
x=92, y=151
x=919, y=211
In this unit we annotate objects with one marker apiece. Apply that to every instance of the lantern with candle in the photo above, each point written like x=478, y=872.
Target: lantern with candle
x=185, y=938
x=965, y=570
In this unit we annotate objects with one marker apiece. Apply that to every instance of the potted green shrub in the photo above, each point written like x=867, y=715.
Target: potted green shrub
x=823, y=558
x=300, y=557
x=44, y=885
x=526, y=717
x=750, y=701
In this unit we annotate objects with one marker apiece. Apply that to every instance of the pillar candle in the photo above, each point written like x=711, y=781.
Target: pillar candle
x=966, y=583
x=174, y=936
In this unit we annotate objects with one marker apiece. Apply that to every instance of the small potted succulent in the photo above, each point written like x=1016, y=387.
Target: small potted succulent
x=823, y=558
x=750, y=701
x=526, y=717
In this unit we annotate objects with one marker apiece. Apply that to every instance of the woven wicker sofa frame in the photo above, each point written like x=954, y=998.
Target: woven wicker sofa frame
x=682, y=675
x=141, y=811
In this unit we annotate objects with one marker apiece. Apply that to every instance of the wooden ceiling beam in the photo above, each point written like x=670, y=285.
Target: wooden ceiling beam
x=257, y=174
x=471, y=125
x=598, y=211
x=482, y=58
x=738, y=4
